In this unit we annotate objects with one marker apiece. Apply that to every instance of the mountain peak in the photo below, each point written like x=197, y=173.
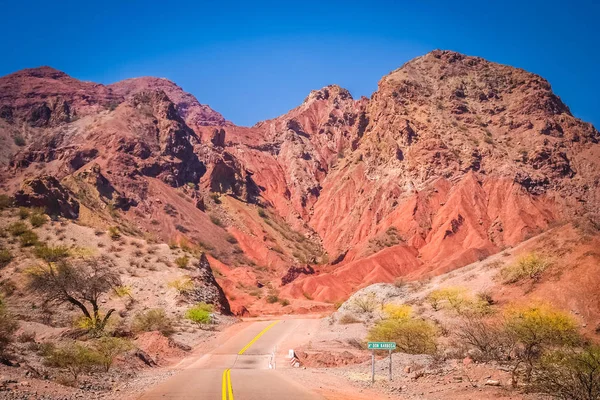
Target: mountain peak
x=40, y=72
x=329, y=92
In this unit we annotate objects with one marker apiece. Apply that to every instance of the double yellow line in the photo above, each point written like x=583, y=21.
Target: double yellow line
x=226, y=389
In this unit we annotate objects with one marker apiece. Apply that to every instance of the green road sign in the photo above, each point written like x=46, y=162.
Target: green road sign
x=382, y=345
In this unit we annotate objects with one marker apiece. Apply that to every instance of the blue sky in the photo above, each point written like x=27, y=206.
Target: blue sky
x=255, y=60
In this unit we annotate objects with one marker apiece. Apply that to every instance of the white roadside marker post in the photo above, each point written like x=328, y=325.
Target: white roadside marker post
x=372, y=366
x=390, y=365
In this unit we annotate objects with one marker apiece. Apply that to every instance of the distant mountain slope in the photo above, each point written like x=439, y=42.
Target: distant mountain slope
x=452, y=159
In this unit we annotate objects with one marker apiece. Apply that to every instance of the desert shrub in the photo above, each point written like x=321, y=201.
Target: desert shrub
x=182, y=285
x=451, y=296
x=114, y=233
x=51, y=253
x=5, y=258
x=216, y=197
x=215, y=220
x=231, y=239
x=200, y=313
x=458, y=299
x=153, y=320
x=272, y=298
x=182, y=262
x=483, y=336
x=365, y=304
x=530, y=266
x=394, y=311
x=108, y=348
x=284, y=302
x=346, y=319
x=534, y=330
x=37, y=220
x=28, y=239
x=413, y=336
x=19, y=140
x=122, y=291
x=5, y=201
x=8, y=326
x=567, y=374
x=23, y=212
x=17, y=228
x=262, y=213
x=73, y=358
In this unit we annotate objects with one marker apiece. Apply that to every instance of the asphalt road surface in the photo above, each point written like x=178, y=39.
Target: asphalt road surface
x=238, y=369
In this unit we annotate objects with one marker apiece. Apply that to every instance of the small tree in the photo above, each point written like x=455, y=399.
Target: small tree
x=534, y=330
x=483, y=334
x=570, y=375
x=81, y=284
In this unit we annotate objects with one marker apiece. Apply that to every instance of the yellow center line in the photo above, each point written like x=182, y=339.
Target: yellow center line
x=224, y=386
x=229, y=388
x=242, y=351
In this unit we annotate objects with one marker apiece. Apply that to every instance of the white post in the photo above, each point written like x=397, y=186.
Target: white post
x=373, y=367
x=390, y=365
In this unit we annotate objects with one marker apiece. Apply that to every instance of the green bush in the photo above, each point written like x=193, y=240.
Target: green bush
x=51, y=253
x=215, y=220
x=5, y=201
x=8, y=326
x=272, y=298
x=153, y=320
x=347, y=319
x=109, y=348
x=73, y=358
x=23, y=212
x=36, y=220
x=5, y=258
x=530, y=266
x=231, y=239
x=200, y=313
x=114, y=233
x=19, y=140
x=182, y=262
x=364, y=304
x=28, y=239
x=413, y=336
x=183, y=285
x=122, y=291
x=459, y=300
x=284, y=302
x=18, y=228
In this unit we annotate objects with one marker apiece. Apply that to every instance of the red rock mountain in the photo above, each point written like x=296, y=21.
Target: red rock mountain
x=452, y=159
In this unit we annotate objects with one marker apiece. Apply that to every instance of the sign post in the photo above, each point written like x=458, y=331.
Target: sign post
x=389, y=346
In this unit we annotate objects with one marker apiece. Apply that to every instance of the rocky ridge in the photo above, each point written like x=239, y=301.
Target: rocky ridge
x=451, y=160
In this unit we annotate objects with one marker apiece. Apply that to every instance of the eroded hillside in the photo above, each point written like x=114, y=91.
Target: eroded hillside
x=451, y=160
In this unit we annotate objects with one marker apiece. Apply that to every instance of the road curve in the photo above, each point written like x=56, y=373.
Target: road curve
x=238, y=369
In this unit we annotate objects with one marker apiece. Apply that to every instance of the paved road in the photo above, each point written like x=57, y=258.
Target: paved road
x=238, y=369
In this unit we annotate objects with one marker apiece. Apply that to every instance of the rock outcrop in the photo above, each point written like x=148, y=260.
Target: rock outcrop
x=46, y=192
